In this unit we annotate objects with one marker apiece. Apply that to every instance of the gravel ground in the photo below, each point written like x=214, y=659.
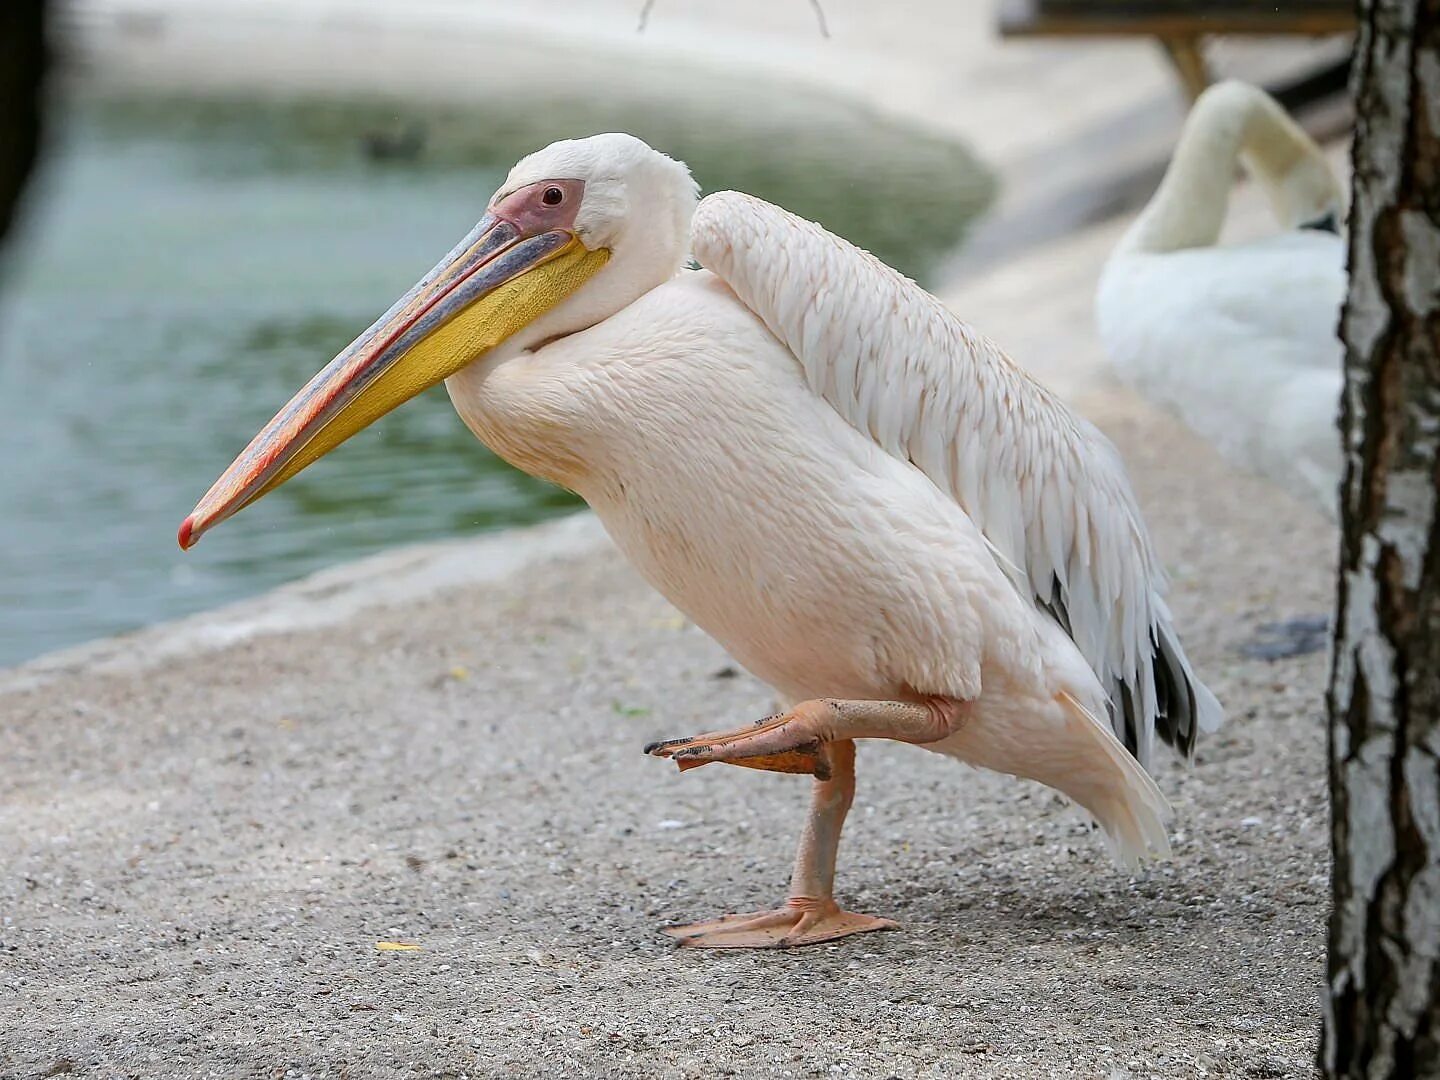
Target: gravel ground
x=201, y=857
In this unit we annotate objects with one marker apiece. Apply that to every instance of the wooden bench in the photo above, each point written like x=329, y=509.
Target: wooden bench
x=1182, y=25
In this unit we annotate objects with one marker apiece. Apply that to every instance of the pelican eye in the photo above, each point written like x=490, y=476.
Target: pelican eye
x=552, y=196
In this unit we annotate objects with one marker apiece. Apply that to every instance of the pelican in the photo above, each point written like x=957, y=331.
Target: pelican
x=1241, y=340
x=858, y=496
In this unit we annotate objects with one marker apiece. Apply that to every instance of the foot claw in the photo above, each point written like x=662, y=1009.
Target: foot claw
x=660, y=746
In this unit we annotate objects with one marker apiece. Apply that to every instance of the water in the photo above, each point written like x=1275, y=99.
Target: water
x=188, y=266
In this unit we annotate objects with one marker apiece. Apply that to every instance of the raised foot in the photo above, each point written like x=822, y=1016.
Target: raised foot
x=788, y=927
x=788, y=743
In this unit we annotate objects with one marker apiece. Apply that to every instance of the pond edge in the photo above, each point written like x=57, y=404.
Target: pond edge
x=325, y=598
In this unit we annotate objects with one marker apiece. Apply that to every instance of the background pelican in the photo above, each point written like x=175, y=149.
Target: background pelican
x=863, y=500
x=1239, y=340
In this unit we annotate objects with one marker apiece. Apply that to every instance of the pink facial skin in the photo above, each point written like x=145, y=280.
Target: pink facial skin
x=536, y=208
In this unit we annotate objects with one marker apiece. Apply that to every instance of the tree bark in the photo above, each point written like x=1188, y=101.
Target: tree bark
x=23, y=60
x=1382, y=1015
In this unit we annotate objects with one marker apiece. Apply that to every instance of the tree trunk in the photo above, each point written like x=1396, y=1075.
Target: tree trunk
x=1382, y=1015
x=22, y=69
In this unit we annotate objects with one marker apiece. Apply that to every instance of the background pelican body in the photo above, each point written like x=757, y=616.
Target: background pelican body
x=864, y=501
x=1239, y=340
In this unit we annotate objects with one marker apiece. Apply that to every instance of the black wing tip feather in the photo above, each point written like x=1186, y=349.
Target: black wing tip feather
x=1176, y=709
x=1177, y=719
x=1129, y=728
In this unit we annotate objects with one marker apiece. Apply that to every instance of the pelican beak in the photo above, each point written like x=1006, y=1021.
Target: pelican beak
x=495, y=282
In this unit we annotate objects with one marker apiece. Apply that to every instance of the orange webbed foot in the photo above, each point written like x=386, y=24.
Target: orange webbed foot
x=788, y=743
x=798, y=923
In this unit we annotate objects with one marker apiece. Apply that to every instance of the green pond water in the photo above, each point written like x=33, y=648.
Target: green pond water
x=185, y=267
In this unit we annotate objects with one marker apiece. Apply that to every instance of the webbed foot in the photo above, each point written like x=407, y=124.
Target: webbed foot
x=799, y=922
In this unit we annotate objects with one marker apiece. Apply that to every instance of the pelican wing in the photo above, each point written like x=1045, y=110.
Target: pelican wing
x=1045, y=487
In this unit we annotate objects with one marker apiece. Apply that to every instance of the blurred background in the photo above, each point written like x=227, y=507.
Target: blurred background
x=227, y=192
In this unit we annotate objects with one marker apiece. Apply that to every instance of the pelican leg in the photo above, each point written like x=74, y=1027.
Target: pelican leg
x=802, y=739
x=817, y=737
x=810, y=914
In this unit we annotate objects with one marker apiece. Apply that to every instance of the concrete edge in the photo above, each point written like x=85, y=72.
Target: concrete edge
x=325, y=598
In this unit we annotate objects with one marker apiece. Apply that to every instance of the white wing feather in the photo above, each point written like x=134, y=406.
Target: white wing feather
x=1045, y=487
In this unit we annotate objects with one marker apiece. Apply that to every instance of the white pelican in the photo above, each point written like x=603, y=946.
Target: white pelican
x=862, y=499
x=1240, y=340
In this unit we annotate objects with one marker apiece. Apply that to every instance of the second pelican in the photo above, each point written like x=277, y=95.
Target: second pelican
x=858, y=496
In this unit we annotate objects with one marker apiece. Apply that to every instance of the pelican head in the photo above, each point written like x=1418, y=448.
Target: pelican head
x=576, y=232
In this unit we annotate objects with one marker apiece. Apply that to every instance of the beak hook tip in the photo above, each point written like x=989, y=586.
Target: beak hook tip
x=187, y=527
